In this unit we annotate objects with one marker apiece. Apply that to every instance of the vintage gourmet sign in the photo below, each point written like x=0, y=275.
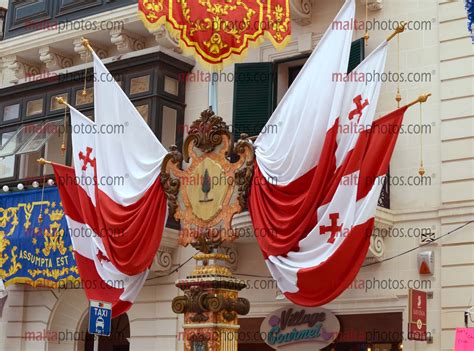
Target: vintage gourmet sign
x=417, y=304
x=298, y=328
x=216, y=30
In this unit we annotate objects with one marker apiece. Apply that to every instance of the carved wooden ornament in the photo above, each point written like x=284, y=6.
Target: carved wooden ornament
x=206, y=194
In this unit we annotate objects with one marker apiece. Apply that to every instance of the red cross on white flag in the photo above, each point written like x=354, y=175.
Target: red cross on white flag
x=86, y=158
x=332, y=229
x=328, y=175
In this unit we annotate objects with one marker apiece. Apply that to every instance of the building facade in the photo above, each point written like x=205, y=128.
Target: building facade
x=45, y=59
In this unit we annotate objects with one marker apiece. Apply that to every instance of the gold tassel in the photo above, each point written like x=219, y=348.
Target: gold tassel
x=366, y=36
x=398, y=97
x=86, y=44
x=398, y=30
x=84, y=91
x=40, y=217
x=63, y=145
x=421, y=171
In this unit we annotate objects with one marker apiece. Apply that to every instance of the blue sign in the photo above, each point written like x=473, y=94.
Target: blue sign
x=35, y=245
x=100, y=318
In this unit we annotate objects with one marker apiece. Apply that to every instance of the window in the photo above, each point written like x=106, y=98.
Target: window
x=253, y=97
x=7, y=164
x=11, y=112
x=258, y=87
x=32, y=122
x=170, y=118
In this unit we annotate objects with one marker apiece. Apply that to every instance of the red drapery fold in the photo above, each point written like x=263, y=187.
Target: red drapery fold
x=78, y=207
x=322, y=284
x=270, y=206
x=135, y=231
x=287, y=213
x=131, y=234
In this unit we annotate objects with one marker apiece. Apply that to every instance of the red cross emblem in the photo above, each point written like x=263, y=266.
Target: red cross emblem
x=102, y=257
x=333, y=228
x=359, y=107
x=86, y=158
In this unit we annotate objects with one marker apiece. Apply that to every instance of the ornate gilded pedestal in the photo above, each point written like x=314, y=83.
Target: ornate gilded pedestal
x=210, y=305
x=204, y=196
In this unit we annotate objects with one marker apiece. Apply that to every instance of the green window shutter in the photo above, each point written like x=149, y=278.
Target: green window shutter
x=253, y=97
x=357, y=54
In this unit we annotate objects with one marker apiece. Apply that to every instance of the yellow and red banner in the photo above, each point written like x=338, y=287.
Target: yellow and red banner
x=218, y=31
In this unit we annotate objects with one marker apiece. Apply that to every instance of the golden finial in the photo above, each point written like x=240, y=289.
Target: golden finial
x=421, y=99
x=43, y=161
x=60, y=100
x=400, y=29
x=86, y=43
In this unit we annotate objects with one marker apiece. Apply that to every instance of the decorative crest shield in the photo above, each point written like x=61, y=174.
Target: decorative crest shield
x=210, y=190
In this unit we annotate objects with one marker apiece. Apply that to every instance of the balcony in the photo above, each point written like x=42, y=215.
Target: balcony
x=26, y=16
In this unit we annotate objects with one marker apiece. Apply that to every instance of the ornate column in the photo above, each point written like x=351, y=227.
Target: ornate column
x=210, y=305
x=204, y=197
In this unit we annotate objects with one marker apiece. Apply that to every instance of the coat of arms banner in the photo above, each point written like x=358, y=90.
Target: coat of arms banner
x=218, y=31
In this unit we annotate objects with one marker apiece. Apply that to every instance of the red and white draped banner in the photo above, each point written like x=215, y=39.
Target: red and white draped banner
x=137, y=208
x=319, y=177
x=113, y=199
x=101, y=280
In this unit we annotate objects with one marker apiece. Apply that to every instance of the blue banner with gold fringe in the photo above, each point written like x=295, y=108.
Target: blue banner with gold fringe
x=35, y=250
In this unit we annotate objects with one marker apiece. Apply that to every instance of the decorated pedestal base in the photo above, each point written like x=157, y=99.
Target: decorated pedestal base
x=204, y=193
x=210, y=305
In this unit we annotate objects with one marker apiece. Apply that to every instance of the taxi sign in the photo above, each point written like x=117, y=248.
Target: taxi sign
x=100, y=317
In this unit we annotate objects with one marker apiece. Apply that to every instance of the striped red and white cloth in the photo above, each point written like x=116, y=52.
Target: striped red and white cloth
x=101, y=280
x=319, y=177
x=137, y=208
x=113, y=199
